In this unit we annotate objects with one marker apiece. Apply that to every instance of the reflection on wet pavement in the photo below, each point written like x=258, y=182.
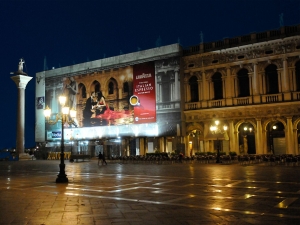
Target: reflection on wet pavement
x=148, y=194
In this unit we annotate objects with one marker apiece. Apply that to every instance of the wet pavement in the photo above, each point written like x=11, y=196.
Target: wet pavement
x=180, y=193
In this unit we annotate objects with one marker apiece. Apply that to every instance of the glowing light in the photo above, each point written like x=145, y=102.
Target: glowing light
x=47, y=112
x=62, y=100
x=217, y=208
x=65, y=110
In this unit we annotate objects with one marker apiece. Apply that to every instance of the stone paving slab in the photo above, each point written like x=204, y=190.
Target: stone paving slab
x=190, y=193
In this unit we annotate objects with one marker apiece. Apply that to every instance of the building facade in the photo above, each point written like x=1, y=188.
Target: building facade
x=166, y=99
x=126, y=105
x=250, y=83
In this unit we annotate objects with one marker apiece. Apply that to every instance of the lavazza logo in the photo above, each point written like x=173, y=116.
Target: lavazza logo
x=56, y=134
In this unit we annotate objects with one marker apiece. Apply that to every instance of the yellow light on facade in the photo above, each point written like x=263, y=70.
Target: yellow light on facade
x=62, y=100
x=65, y=110
x=73, y=113
x=213, y=128
x=47, y=112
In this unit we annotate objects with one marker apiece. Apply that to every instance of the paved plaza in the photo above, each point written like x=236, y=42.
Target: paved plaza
x=179, y=193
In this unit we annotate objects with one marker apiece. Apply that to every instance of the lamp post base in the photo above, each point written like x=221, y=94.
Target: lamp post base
x=62, y=177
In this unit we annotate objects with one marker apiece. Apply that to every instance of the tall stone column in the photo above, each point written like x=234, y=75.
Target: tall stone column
x=21, y=82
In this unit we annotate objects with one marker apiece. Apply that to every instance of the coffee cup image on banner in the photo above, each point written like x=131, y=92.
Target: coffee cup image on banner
x=134, y=100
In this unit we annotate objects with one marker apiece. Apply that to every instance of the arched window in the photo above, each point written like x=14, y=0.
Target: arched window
x=96, y=86
x=193, y=82
x=82, y=90
x=125, y=87
x=243, y=83
x=218, y=85
x=110, y=88
x=271, y=79
x=297, y=70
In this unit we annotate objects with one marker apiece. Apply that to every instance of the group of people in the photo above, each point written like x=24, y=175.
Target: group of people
x=101, y=157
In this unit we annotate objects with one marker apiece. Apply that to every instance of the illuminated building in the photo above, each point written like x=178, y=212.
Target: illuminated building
x=140, y=108
x=252, y=84
x=249, y=83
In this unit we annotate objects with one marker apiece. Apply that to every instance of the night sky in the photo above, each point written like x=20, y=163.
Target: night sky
x=68, y=32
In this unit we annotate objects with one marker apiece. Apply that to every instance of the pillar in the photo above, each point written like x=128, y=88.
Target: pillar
x=296, y=145
x=258, y=138
x=177, y=88
x=228, y=84
x=256, y=84
x=203, y=87
x=255, y=80
x=233, y=145
x=289, y=136
x=286, y=88
x=21, y=82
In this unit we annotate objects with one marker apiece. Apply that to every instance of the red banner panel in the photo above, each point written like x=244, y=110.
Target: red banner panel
x=143, y=98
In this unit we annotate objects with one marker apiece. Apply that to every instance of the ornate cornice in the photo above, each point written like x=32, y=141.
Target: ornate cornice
x=236, y=113
x=259, y=51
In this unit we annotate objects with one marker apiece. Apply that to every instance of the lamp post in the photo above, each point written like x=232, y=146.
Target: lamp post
x=64, y=116
x=216, y=130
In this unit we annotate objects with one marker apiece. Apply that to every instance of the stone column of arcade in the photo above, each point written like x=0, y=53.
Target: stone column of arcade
x=21, y=79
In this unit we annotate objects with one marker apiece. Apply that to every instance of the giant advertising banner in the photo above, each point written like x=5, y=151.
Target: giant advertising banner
x=136, y=100
x=143, y=98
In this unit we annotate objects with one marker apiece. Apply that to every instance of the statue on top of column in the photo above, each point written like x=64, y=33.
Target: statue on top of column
x=20, y=68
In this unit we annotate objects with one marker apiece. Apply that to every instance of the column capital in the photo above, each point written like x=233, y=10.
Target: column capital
x=21, y=80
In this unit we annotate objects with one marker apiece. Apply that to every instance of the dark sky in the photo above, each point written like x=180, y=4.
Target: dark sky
x=68, y=32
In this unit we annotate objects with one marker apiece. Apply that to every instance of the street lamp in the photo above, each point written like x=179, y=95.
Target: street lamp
x=64, y=116
x=216, y=130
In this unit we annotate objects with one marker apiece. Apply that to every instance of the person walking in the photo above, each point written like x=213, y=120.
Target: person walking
x=100, y=157
x=103, y=159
